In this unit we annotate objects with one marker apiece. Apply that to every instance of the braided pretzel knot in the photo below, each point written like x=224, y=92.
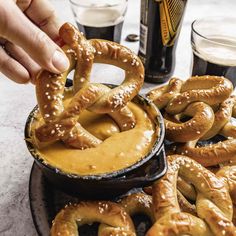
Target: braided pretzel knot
x=205, y=124
x=201, y=121
x=213, y=203
x=223, y=151
x=60, y=122
x=177, y=95
x=209, y=89
x=184, y=98
x=71, y=217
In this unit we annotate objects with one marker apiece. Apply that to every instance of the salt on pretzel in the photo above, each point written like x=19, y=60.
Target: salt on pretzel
x=222, y=117
x=202, y=120
x=209, y=89
x=136, y=203
x=162, y=95
x=60, y=122
x=73, y=216
x=228, y=175
x=108, y=52
x=209, y=155
x=184, y=204
x=211, y=193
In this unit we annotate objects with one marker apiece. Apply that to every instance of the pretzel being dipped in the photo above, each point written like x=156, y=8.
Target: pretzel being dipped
x=211, y=193
x=71, y=217
x=61, y=122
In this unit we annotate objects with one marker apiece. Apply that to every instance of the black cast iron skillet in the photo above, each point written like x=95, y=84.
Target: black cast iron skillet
x=105, y=186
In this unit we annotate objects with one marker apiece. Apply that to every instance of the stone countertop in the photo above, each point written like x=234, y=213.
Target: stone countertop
x=16, y=101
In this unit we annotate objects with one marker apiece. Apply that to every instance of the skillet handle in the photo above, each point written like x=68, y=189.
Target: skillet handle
x=154, y=169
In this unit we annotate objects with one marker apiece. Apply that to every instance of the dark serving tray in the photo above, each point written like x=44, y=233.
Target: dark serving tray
x=46, y=201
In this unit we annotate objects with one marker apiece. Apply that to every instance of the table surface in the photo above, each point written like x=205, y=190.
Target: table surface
x=16, y=101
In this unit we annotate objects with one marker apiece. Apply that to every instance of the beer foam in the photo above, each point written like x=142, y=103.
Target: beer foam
x=217, y=50
x=100, y=17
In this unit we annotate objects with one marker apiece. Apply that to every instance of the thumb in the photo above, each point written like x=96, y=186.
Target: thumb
x=22, y=32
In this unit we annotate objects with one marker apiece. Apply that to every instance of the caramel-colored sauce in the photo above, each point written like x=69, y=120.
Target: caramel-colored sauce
x=101, y=126
x=117, y=151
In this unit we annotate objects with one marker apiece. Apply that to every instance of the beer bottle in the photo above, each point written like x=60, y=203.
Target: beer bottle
x=159, y=28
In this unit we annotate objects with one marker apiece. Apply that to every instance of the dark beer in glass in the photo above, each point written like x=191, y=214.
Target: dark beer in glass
x=100, y=19
x=214, y=47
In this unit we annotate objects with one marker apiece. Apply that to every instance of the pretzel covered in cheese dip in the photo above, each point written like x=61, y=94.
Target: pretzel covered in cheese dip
x=61, y=122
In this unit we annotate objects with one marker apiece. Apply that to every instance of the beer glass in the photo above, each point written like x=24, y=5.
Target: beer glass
x=213, y=42
x=100, y=19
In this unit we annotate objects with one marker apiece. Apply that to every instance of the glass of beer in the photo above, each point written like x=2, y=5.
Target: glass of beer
x=213, y=42
x=101, y=19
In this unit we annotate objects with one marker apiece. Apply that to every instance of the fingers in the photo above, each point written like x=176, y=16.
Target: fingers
x=12, y=69
x=20, y=31
x=23, y=4
x=45, y=18
x=24, y=59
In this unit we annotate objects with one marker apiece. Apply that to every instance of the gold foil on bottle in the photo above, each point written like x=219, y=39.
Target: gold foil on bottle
x=171, y=14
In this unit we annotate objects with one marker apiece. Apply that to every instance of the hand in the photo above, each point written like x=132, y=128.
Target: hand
x=27, y=31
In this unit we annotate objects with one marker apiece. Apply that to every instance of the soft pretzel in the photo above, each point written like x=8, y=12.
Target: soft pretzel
x=222, y=117
x=209, y=155
x=209, y=89
x=138, y=203
x=162, y=95
x=228, y=174
x=133, y=204
x=202, y=120
x=186, y=189
x=211, y=193
x=112, y=214
x=184, y=204
x=229, y=129
x=60, y=122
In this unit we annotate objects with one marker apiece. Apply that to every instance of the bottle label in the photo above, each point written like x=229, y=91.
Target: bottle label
x=143, y=27
x=143, y=38
x=171, y=14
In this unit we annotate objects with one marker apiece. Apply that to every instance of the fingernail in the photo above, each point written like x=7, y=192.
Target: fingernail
x=60, y=61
